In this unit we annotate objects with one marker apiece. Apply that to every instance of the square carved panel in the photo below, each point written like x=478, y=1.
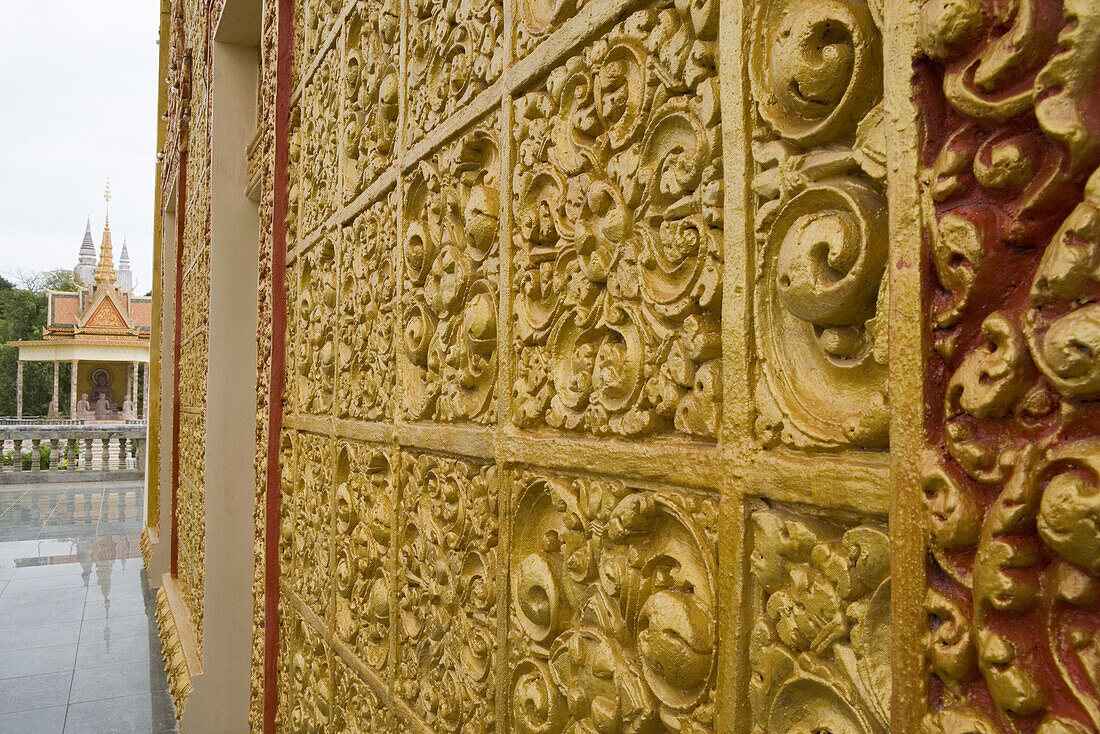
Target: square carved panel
x=455, y=49
x=448, y=355
x=820, y=647
x=447, y=566
x=617, y=193
x=365, y=369
x=364, y=497
x=613, y=606
x=370, y=82
x=310, y=577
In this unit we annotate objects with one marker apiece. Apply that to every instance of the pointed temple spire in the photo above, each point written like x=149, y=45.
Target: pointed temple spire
x=85, y=267
x=125, y=274
x=105, y=270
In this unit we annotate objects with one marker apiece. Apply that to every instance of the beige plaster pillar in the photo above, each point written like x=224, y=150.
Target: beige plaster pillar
x=19, y=388
x=145, y=391
x=72, y=389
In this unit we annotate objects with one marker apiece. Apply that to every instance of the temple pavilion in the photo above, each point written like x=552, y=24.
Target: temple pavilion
x=103, y=331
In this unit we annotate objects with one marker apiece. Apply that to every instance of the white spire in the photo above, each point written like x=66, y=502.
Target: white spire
x=85, y=268
x=125, y=275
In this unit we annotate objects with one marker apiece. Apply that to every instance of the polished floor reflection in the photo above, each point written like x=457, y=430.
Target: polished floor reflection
x=79, y=651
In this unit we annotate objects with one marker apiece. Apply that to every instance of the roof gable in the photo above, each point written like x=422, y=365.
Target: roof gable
x=105, y=314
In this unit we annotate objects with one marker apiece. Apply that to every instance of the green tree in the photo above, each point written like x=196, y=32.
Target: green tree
x=22, y=318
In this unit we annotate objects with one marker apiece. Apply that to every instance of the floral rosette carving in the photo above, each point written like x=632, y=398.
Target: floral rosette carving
x=370, y=84
x=452, y=257
x=363, y=499
x=820, y=220
x=365, y=374
x=446, y=593
x=1012, y=215
x=618, y=258
x=455, y=50
x=314, y=343
x=613, y=608
x=820, y=646
x=313, y=190
x=312, y=524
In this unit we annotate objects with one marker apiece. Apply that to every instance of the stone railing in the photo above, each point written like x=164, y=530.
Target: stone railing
x=10, y=420
x=45, y=452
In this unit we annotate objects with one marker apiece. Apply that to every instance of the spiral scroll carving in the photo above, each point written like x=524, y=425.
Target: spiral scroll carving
x=820, y=223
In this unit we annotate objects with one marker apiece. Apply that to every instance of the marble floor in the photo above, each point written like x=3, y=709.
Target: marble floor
x=79, y=651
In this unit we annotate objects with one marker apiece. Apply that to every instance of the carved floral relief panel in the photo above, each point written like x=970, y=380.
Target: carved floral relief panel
x=452, y=260
x=313, y=21
x=613, y=605
x=312, y=536
x=191, y=521
x=1012, y=215
x=365, y=369
x=364, y=505
x=311, y=695
x=617, y=193
x=447, y=566
x=370, y=83
x=818, y=146
x=314, y=327
x=820, y=641
x=357, y=708
x=455, y=49
x=314, y=149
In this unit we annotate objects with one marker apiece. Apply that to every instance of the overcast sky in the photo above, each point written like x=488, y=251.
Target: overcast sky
x=78, y=88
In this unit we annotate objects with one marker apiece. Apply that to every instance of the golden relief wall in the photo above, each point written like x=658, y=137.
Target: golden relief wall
x=261, y=162
x=192, y=45
x=674, y=367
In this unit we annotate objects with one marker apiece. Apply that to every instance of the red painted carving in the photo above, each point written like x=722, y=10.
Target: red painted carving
x=1011, y=102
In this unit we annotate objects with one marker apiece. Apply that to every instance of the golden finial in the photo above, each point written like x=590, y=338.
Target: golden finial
x=105, y=269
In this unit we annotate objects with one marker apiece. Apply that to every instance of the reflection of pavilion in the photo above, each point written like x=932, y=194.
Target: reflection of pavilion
x=103, y=331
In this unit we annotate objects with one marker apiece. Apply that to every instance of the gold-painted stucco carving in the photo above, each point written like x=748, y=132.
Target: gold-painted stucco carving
x=613, y=597
x=447, y=566
x=820, y=223
x=820, y=646
x=451, y=261
x=592, y=408
x=618, y=238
